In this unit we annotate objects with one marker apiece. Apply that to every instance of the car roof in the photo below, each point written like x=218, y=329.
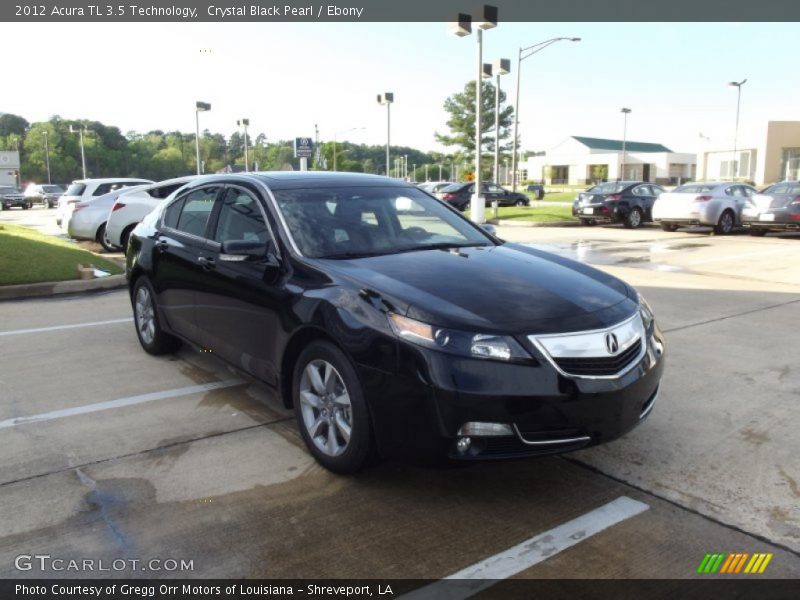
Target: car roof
x=112, y=180
x=286, y=180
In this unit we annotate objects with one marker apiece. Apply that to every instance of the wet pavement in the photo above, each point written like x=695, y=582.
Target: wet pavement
x=137, y=457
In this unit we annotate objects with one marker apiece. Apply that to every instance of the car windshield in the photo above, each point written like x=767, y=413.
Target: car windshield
x=76, y=189
x=611, y=187
x=455, y=187
x=7, y=190
x=695, y=188
x=351, y=222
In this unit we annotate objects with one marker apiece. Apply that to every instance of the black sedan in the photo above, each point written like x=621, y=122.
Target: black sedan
x=626, y=202
x=777, y=208
x=458, y=195
x=11, y=197
x=391, y=323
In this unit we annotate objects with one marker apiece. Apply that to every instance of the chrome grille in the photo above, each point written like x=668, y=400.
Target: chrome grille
x=603, y=365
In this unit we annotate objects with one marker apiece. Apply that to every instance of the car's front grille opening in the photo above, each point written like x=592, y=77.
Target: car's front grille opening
x=601, y=365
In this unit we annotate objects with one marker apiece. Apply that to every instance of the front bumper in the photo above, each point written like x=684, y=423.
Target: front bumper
x=419, y=412
x=12, y=202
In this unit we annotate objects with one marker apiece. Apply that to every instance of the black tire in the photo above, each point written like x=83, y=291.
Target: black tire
x=725, y=224
x=669, y=227
x=103, y=239
x=521, y=202
x=26, y=206
x=634, y=218
x=126, y=235
x=758, y=231
x=355, y=454
x=588, y=222
x=161, y=342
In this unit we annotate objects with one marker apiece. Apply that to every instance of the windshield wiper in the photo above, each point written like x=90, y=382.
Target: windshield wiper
x=344, y=255
x=443, y=246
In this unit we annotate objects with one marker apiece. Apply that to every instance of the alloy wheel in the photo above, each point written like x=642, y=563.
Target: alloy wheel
x=145, y=315
x=325, y=407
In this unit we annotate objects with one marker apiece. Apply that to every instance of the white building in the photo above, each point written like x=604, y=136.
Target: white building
x=773, y=154
x=583, y=160
x=9, y=167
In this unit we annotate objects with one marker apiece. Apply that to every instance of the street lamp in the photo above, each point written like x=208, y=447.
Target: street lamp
x=199, y=107
x=502, y=66
x=485, y=19
x=336, y=133
x=387, y=98
x=625, y=112
x=80, y=132
x=47, y=156
x=244, y=123
x=738, y=85
x=523, y=54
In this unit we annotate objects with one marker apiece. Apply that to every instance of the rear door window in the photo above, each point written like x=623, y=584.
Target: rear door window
x=101, y=189
x=196, y=211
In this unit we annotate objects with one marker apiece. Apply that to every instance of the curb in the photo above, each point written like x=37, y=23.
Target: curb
x=54, y=288
x=520, y=223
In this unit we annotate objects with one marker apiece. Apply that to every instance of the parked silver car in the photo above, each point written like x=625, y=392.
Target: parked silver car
x=716, y=203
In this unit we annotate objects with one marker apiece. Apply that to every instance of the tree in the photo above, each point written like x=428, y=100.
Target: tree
x=12, y=125
x=461, y=108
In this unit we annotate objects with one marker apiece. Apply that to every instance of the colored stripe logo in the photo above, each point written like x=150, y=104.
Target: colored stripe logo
x=733, y=563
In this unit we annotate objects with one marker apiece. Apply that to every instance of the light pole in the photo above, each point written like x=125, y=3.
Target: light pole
x=738, y=85
x=47, y=156
x=387, y=98
x=523, y=54
x=505, y=165
x=335, y=134
x=244, y=123
x=414, y=172
x=80, y=131
x=625, y=112
x=199, y=107
x=502, y=66
x=485, y=19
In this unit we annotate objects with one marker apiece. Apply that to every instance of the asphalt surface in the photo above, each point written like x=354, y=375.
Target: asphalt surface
x=136, y=457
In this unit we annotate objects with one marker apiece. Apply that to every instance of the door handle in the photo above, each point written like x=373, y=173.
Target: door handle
x=207, y=262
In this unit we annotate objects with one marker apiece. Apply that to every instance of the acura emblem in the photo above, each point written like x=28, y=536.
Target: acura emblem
x=612, y=344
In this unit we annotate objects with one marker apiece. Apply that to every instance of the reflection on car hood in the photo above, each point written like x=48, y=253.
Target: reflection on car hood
x=509, y=288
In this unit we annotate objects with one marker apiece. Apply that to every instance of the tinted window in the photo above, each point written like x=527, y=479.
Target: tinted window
x=240, y=218
x=164, y=191
x=196, y=210
x=696, y=188
x=607, y=188
x=7, y=190
x=76, y=189
x=102, y=189
x=333, y=223
x=52, y=189
x=172, y=213
x=456, y=187
x=777, y=189
x=642, y=190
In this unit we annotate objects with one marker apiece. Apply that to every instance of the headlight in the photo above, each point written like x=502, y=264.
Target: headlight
x=647, y=313
x=476, y=345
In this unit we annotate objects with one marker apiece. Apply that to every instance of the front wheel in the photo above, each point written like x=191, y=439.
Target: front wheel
x=330, y=408
x=521, y=202
x=151, y=336
x=725, y=224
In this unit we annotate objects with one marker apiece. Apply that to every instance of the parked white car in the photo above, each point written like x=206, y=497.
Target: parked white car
x=83, y=189
x=716, y=203
x=133, y=206
x=86, y=220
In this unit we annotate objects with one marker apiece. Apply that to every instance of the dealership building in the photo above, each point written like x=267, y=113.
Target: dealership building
x=9, y=168
x=582, y=160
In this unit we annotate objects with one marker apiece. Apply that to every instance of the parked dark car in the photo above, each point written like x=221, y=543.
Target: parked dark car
x=537, y=189
x=777, y=208
x=626, y=202
x=11, y=197
x=390, y=322
x=44, y=193
x=459, y=195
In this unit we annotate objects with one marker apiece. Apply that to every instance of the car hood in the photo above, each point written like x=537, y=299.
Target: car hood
x=503, y=289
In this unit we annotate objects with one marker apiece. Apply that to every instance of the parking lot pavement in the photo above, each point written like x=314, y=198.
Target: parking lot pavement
x=111, y=453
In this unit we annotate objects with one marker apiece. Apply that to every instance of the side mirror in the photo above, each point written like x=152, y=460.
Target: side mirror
x=238, y=250
x=489, y=228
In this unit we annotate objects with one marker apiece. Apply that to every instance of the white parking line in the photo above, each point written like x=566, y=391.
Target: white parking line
x=516, y=559
x=57, y=327
x=120, y=402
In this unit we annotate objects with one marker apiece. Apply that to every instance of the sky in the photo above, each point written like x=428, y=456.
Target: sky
x=287, y=77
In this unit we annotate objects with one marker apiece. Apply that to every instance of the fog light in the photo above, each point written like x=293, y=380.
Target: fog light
x=478, y=428
x=463, y=445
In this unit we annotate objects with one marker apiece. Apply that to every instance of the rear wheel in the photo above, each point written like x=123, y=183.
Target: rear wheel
x=330, y=408
x=669, y=227
x=633, y=219
x=102, y=237
x=725, y=224
x=151, y=336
